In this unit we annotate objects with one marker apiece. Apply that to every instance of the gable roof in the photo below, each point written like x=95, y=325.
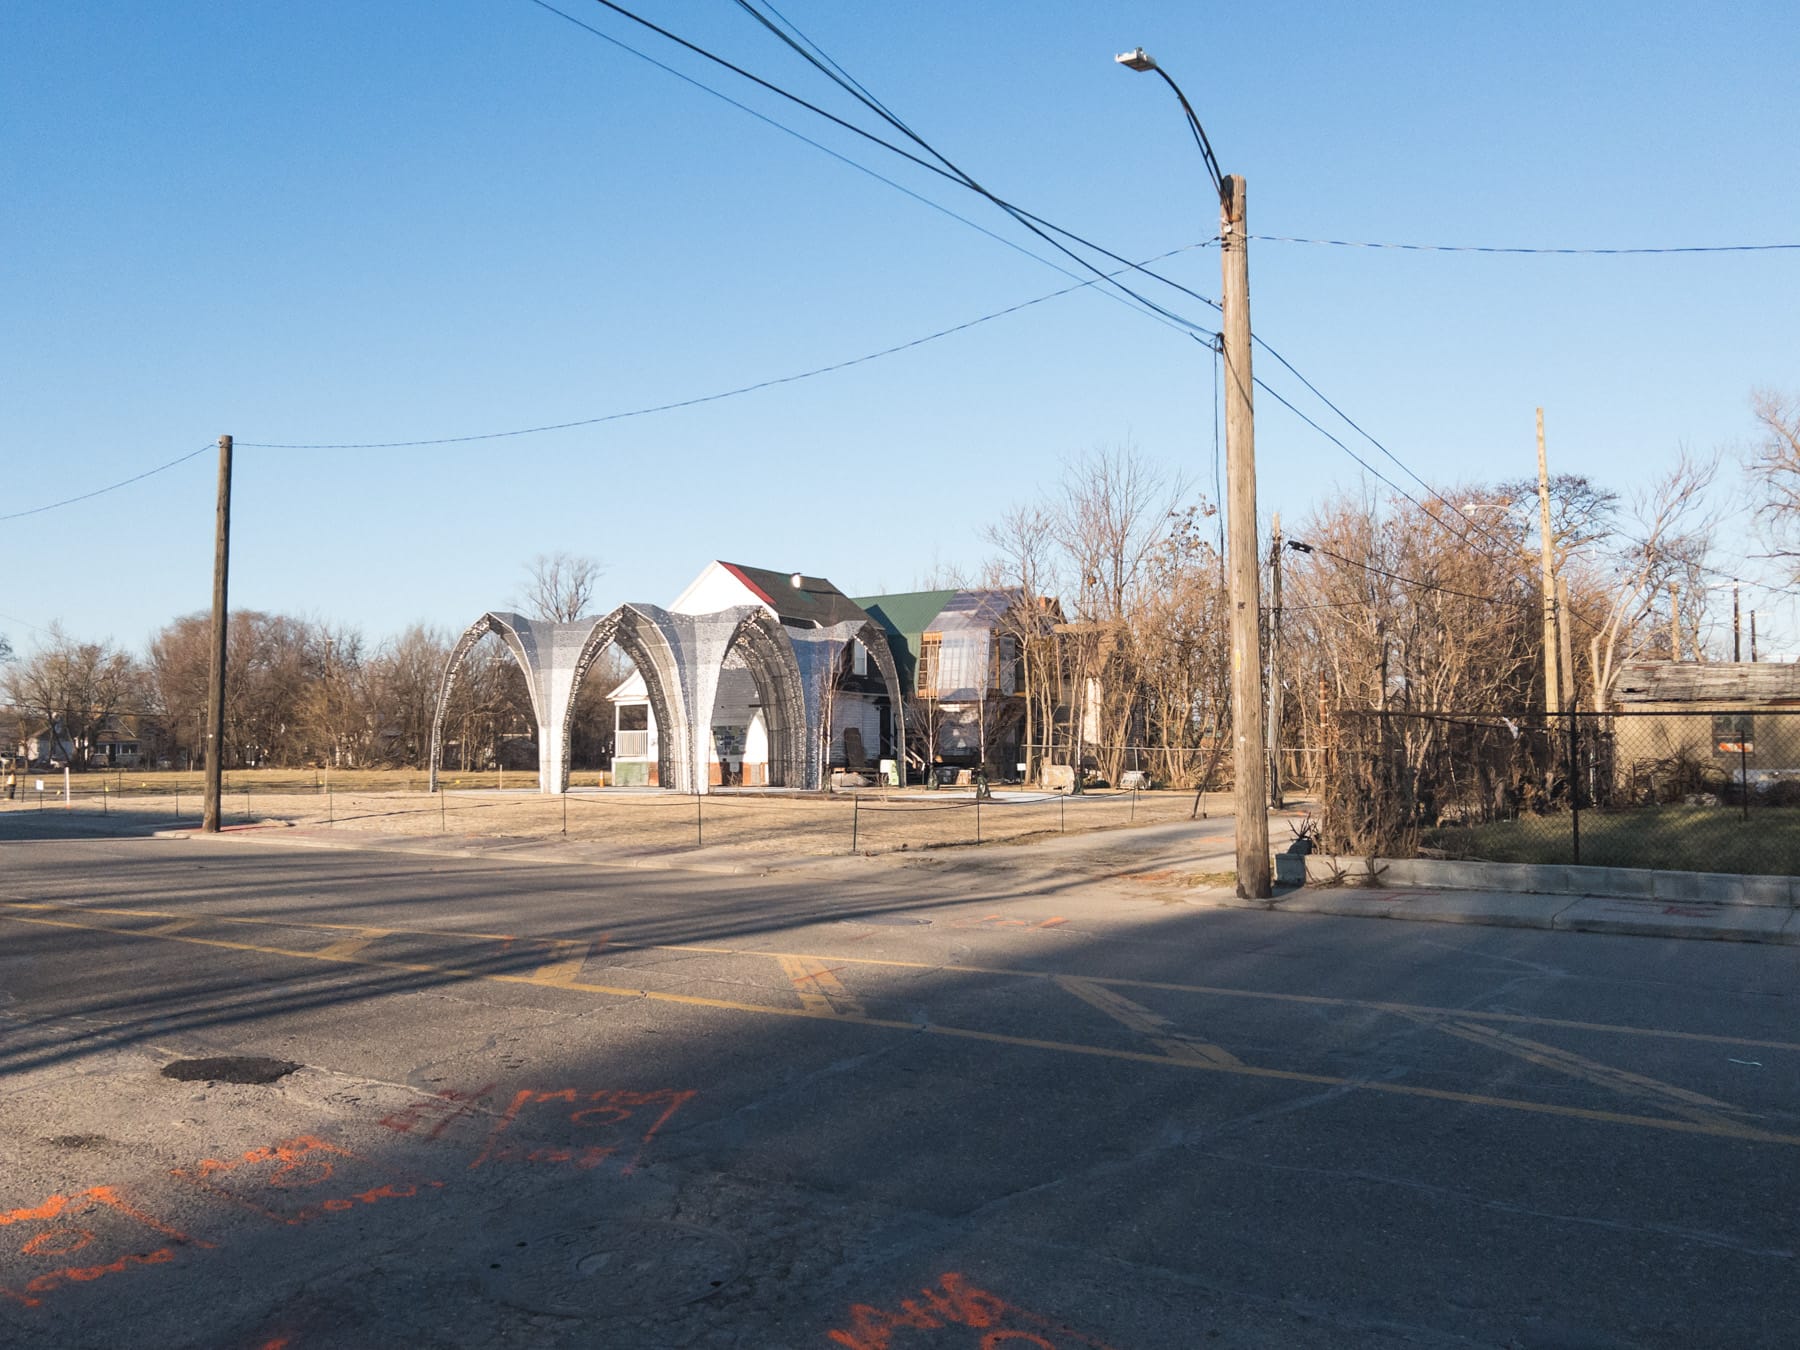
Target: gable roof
x=801, y=601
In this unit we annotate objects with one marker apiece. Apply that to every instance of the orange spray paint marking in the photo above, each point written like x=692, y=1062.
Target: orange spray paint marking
x=431, y=1116
x=267, y=1180
x=101, y=1210
x=956, y=1310
x=602, y=1124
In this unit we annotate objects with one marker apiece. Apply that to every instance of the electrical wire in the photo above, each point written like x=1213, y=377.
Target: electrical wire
x=1487, y=248
x=111, y=487
x=820, y=146
x=1036, y=224
x=1403, y=580
x=686, y=402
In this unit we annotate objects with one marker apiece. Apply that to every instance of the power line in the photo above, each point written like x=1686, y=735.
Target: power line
x=1488, y=248
x=820, y=146
x=1036, y=224
x=111, y=487
x=687, y=402
x=1406, y=581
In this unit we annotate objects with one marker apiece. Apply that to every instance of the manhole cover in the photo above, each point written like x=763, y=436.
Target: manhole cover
x=228, y=1069
x=887, y=921
x=627, y=1266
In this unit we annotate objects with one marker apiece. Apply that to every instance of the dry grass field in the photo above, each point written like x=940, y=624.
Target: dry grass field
x=630, y=822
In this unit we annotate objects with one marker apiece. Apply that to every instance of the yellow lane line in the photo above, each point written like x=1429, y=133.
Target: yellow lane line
x=172, y=927
x=232, y=918
x=1650, y=1091
x=1174, y=1042
x=566, y=968
x=819, y=988
x=1216, y=991
x=1720, y=1129
x=344, y=948
x=1118, y=982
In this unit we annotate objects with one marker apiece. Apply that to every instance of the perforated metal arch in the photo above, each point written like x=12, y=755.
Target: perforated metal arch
x=640, y=638
x=763, y=645
x=512, y=629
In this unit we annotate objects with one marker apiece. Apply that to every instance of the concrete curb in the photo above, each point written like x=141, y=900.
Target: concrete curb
x=1710, y=888
x=1581, y=914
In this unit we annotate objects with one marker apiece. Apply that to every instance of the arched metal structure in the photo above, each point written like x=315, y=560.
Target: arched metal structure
x=681, y=658
x=555, y=658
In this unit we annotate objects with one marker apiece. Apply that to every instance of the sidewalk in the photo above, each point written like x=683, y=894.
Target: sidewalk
x=1188, y=861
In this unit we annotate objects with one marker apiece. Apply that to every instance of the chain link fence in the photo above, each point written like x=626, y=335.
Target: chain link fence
x=1706, y=790
x=642, y=822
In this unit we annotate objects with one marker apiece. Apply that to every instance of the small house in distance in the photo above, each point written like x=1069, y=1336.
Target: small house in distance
x=1732, y=717
x=957, y=654
x=862, y=718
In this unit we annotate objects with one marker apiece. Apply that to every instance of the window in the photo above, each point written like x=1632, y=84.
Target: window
x=1003, y=665
x=859, y=659
x=925, y=681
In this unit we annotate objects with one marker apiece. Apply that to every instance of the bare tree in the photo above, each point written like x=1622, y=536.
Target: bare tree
x=75, y=687
x=1675, y=526
x=1775, y=473
x=560, y=586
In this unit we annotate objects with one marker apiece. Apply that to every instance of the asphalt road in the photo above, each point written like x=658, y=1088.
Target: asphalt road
x=936, y=1106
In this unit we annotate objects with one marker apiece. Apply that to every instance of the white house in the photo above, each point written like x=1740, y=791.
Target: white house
x=862, y=719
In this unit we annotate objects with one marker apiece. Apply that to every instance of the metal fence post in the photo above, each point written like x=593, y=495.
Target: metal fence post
x=855, y=819
x=1744, y=775
x=443, y=825
x=1062, y=817
x=978, y=820
x=1575, y=784
x=699, y=827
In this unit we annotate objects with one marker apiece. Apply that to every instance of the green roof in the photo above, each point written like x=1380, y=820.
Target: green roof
x=906, y=618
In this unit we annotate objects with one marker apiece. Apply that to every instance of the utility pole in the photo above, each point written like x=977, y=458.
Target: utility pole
x=1251, y=792
x=1547, y=567
x=1675, y=620
x=1565, y=626
x=1250, y=789
x=215, y=689
x=1752, y=637
x=1275, y=665
x=1737, y=637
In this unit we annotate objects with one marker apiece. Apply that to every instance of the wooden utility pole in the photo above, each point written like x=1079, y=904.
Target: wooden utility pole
x=1565, y=626
x=1675, y=620
x=1275, y=665
x=1250, y=788
x=1752, y=637
x=1552, y=644
x=1737, y=629
x=215, y=689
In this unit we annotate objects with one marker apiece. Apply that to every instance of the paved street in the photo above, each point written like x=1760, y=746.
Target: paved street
x=943, y=1103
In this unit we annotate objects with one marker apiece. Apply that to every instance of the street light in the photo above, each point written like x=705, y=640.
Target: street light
x=1249, y=767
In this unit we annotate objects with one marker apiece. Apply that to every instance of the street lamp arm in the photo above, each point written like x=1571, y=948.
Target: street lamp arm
x=1206, y=153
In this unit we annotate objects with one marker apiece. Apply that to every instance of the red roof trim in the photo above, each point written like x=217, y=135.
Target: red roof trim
x=753, y=588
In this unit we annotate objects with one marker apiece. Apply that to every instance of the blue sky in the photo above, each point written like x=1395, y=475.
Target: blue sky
x=339, y=222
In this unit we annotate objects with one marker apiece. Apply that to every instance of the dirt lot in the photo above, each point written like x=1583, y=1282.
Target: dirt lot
x=639, y=821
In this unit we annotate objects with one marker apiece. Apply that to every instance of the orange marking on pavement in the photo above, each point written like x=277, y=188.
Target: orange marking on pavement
x=305, y=1162
x=66, y=1239
x=1051, y=923
x=953, y=1304
x=596, y=1111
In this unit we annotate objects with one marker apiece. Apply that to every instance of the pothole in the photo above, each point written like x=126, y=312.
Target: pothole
x=80, y=1140
x=625, y=1266
x=228, y=1069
